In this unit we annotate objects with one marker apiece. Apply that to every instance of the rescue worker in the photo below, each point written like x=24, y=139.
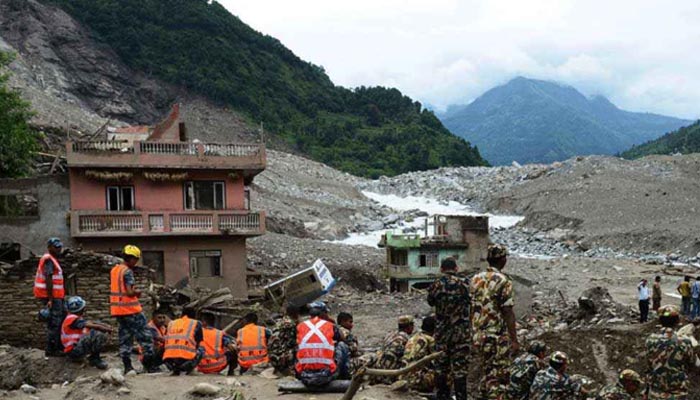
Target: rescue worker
x=347, y=347
x=219, y=348
x=183, y=350
x=626, y=388
x=524, y=369
x=553, y=383
x=493, y=321
x=158, y=325
x=669, y=359
x=80, y=337
x=125, y=306
x=316, y=337
x=421, y=345
x=450, y=297
x=392, y=349
x=48, y=287
x=283, y=341
x=251, y=341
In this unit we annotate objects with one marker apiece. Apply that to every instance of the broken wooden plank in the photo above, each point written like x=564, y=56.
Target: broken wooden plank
x=295, y=386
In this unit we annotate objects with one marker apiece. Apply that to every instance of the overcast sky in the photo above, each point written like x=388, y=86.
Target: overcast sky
x=643, y=55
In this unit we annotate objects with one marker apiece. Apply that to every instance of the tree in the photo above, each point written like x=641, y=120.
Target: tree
x=17, y=139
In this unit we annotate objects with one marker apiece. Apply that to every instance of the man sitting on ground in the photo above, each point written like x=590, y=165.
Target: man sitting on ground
x=316, y=357
x=183, y=350
x=282, y=346
x=251, y=342
x=81, y=337
x=421, y=345
x=220, y=348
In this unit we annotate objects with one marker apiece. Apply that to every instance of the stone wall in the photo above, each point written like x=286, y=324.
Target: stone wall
x=86, y=274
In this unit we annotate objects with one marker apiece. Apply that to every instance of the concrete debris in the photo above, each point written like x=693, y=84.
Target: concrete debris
x=113, y=376
x=204, y=389
x=29, y=389
x=123, y=391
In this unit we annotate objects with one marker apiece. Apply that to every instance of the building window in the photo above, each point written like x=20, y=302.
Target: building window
x=246, y=198
x=428, y=260
x=204, y=195
x=120, y=198
x=205, y=264
x=398, y=257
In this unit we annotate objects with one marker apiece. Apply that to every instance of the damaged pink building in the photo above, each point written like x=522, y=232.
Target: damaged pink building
x=184, y=203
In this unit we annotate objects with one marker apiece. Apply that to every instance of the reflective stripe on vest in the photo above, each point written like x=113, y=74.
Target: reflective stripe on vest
x=252, y=345
x=69, y=336
x=214, y=360
x=58, y=292
x=120, y=303
x=179, y=342
x=316, y=348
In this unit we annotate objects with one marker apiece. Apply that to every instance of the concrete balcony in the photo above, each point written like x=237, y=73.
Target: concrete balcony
x=100, y=223
x=170, y=155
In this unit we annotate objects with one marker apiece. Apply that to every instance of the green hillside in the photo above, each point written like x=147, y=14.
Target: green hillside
x=202, y=47
x=685, y=140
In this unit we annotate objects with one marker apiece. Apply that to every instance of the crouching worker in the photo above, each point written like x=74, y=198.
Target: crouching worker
x=251, y=341
x=316, y=338
x=158, y=325
x=81, y=338
x=182, y=343
x=220, y=350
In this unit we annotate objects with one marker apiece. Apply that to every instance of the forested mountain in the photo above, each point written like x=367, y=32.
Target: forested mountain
x=199, y=45
x=685, y=140
x=530, y=120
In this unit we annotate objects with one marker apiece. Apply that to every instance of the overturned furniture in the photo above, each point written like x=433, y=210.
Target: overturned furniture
x=413, y=261
x=301, y=287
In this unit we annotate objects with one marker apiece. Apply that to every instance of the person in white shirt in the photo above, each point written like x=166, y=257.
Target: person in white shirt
x=643, y=290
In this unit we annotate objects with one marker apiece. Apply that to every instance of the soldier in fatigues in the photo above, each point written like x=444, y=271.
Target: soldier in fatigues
x=493, y=322
x=393, y=346
x=626, y=388
x=552, y=383
x=420, y=345
x=449, y=294
x=524, y=369
x=283, y=342
x=669, y=359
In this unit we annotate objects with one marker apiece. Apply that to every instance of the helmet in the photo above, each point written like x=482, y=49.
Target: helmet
x=44, y=314
x=55, y=242
x=131, y=250
x=318, y=308
x=536, y=347
x=75, y=304
x=559, y=357
x=629, y=375
x=496, y=251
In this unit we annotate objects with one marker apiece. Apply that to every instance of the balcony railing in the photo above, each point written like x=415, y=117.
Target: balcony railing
x=166, y=223
x=147, y=154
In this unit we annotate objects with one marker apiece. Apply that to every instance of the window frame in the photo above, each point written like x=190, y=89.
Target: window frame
x=194, y=268
x=217, y=185
x=120, y=197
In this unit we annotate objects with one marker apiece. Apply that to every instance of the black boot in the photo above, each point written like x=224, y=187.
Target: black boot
x=127, y=365
x=461, y=388
x=443, y=388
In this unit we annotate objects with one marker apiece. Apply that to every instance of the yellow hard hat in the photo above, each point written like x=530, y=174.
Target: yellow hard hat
x=131, y=250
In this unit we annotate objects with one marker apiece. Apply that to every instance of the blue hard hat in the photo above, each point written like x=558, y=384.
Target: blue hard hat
x=55, y=242
x=318, y=308
x=75, y=304
x=44, y=314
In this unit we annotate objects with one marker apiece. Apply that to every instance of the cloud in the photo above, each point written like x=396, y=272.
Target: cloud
x=642, y=54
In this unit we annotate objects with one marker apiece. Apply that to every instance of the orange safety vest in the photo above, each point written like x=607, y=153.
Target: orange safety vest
x=316, y=346
x=119, y=303
x=57, y=279
x=69, y=336
x=179, y=342
x=159, y=334
x=252, y=346
x=214, y=360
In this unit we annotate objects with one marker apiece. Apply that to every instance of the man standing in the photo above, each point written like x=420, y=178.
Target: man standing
x=219, y=348
x=251, y=341
x=283, y=342
x=493, y=321
x=669, y=359
x=421, y=345
x=656, y=294
x=524, y=369
x=628, y=384
x=316, y=338
x=125, y=306
x=684, y=290
x=449, y=295
x=48, y=287
x=183, y=350
x=695, y=295
x=643, y=290
x=553, y=383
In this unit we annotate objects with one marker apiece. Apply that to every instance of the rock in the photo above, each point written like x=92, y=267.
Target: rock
x=234, y=382
x=113, y=376
x=123, y=391
x=29, y=389
x=390, y=219
x=269, y=373
x=131, y=373
x=205, y=389
x=399, y=386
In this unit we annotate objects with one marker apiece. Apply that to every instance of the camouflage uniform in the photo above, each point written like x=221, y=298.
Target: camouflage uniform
x=613, y=392
x=390, y=354
x=491, y=292
x=351, y=341
x=669, y=358
x=522, y=372
x=282, y=345
x=90, y=345
x=417, y=347
x=449, y=294
x=134, y=327
x=551, y=385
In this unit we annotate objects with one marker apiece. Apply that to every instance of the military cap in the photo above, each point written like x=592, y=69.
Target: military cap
x=668, y=311
x=559, y=357
x=405, y=320
x=497, y=251
x=536, y=347
x=629, y=375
